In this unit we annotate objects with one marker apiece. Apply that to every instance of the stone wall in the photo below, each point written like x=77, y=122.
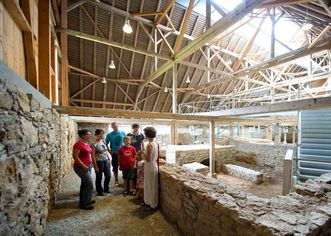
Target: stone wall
x=261, y=154
x=205, y=206
x=35, y=153
x=182, y=154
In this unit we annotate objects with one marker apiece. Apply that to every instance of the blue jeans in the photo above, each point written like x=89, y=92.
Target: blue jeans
x=86, y=186
x=104, y=167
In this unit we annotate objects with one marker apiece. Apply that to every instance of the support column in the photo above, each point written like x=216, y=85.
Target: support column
x=273, y=23
x=242, y=130
x=208, y=64
x=212, y=161
x=284, y=141
x=238, y=129
x=231, y=131
x=155, y=49
x=269, y=132
x=278, y=134
x=293, y=135
x=173, y=130
x=44, y=48
x=174, y=89
x=64, y=60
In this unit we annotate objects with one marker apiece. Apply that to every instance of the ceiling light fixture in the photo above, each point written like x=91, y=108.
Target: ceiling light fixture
x=165, y=89
x=188, y=80
x=104, y=81
x=228, y=62
x=127, y=27
x=112, y=64
x=208, y=95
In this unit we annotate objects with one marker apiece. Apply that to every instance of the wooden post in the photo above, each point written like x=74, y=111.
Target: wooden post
x=273, y=22
x=212, y=148
x=44, y=48
x=287, y=175
x=174, y=89
x=53, y=82
x=173, y=128
x=293, y=136
x=30, y=55
x=231, y=131
x=269, y=132
x=64, y=50
x=285, y=141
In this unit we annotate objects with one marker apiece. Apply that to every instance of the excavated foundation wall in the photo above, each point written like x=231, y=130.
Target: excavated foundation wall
x=35, y=154
x=261, y=154
x=203, y=206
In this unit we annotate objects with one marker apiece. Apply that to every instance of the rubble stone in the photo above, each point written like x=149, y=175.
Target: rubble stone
x=203, y=206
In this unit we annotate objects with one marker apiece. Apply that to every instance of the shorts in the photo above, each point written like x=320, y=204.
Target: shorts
x=114, y=162
x=129, y=174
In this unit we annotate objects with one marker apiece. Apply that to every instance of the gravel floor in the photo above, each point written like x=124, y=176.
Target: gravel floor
x=113, y=215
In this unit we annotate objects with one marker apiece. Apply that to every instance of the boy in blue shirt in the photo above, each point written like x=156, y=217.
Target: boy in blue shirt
x=115, y=141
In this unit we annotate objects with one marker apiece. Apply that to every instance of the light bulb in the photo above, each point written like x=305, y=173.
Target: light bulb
x=127, y=27
x=208, y=96
x=165, y=89
x=188, y=80
x=104, y=81
x=112, y=65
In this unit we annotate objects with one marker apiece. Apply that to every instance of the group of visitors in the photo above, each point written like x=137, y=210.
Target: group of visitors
x=127, y=153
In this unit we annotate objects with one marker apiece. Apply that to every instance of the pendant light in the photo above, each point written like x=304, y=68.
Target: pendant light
x=127, y=27
x=188, y=80
x=208, y=95
x=104, y=81
x=165, y=89
x=307, y=25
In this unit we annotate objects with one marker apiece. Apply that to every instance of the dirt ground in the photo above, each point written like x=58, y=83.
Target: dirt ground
x=271, y=186
x=113, y=215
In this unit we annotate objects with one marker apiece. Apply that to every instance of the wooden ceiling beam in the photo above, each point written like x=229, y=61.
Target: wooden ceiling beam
x=183, y=27
x=112, y=43
x=325, y=4
x=220, y=26
x=277, y=3
x=324, y=44
x=147, y=13
x=305, y=104
x=101, y=102
x=165, y=11
x=318, y=38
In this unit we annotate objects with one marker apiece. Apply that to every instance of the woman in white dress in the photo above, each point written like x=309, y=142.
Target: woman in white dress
x=151, y=170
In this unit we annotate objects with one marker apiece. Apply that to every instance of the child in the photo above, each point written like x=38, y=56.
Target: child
x=140, y=179
x=127, y=158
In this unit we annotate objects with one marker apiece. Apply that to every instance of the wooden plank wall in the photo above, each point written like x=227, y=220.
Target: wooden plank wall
x=34, y=60
x=11, y=43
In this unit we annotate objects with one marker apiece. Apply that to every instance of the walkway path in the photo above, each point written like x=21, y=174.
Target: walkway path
x=113, y=215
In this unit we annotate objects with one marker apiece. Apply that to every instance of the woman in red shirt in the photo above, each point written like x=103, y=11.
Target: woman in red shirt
x=82, y=166
x=127, y=158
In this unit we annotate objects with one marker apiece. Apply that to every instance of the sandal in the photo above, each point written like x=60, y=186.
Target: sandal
x=125, y=193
